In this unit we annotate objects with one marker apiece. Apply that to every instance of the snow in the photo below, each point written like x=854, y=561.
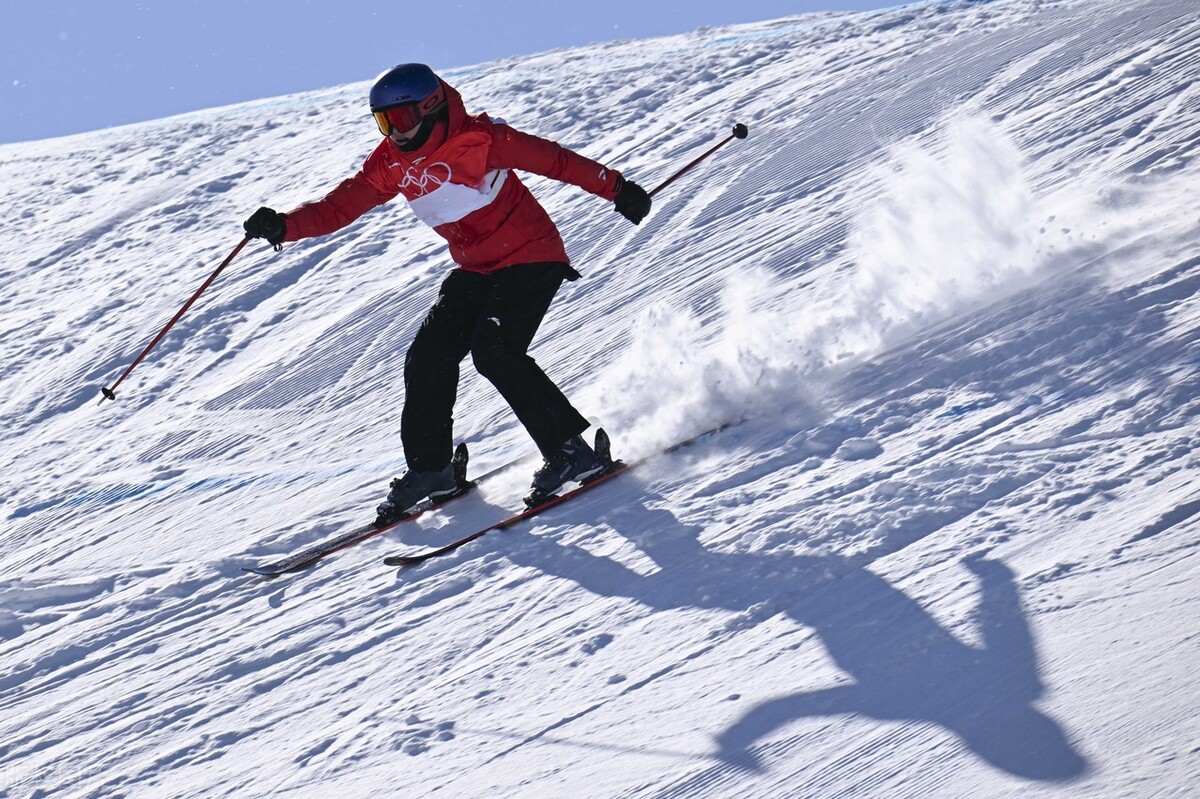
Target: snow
x=950, y=281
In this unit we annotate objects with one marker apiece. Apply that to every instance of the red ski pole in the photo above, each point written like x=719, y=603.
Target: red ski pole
x=111, y=391
x=740, y=131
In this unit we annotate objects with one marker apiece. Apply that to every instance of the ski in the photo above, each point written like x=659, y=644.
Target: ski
x=310, y=555
x=613, y=469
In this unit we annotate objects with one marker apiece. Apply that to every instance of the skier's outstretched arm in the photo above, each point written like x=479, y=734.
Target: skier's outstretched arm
x=513, y=149
x=347, y=202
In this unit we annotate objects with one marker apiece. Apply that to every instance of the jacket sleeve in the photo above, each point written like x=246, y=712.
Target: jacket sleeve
x=351, y=199
x=512, y=149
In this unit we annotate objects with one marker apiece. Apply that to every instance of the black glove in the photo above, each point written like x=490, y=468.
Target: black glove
x=632, y=201
x=266, y=224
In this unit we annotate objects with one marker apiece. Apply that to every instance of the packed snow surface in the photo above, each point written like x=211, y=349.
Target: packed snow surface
x=950, y=282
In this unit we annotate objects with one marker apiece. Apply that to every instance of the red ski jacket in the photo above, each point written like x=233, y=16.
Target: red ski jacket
x=462, y=184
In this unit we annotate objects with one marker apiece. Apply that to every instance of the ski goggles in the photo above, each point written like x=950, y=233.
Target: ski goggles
x=402, y=118
x=407, y=116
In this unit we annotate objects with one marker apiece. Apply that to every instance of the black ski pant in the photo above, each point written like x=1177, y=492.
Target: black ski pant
x=494, y=318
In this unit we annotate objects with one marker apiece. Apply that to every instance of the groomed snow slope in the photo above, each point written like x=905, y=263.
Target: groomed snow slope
x=951, y=279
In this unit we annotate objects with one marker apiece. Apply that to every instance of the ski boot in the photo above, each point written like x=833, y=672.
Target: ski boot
x=574, y=461
x=413, y=488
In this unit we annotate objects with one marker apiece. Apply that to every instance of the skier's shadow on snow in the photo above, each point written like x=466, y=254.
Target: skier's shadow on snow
x=905, y=667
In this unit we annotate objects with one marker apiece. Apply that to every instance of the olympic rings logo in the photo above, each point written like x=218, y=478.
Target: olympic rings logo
x=423, y=178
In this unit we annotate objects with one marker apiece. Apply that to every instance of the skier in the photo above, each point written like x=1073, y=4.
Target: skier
x=456, y=171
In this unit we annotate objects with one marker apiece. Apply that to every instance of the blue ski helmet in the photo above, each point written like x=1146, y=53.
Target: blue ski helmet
x=407, y=101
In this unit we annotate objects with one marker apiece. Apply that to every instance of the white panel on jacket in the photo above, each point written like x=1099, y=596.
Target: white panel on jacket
x=451, y=202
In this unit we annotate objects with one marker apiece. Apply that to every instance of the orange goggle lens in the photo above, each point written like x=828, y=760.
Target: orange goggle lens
x=381, y=119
